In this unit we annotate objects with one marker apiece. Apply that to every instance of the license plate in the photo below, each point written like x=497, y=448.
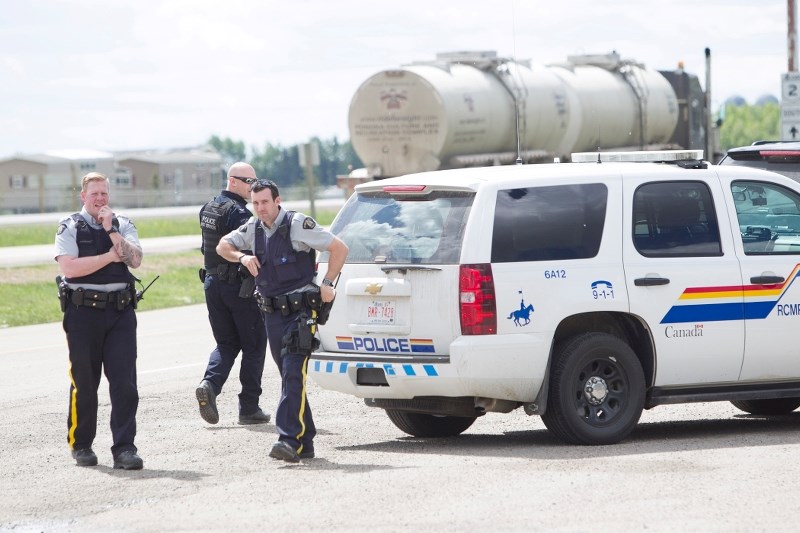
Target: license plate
x=380, y=312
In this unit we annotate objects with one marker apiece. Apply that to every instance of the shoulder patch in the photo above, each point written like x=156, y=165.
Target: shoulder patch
x=309, y=223
x=243, y=228
x=61, y=228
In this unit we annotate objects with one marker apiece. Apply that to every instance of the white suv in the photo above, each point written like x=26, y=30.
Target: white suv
x=581, y=292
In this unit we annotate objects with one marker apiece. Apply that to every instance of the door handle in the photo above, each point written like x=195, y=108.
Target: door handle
x=649, y=282
x=767, y=280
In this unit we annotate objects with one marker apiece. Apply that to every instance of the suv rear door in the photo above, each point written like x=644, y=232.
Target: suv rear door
x=405, y=244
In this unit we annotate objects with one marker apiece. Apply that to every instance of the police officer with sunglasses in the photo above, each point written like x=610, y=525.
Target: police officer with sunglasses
x=232, y=310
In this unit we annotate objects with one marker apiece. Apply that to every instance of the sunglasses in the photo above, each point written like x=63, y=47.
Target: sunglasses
x=248, y=181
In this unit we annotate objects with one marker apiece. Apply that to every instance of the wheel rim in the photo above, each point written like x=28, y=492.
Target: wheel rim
x=601, y=391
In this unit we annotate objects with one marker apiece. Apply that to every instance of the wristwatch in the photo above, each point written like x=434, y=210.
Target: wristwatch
x=112, y=230
x=326, y=281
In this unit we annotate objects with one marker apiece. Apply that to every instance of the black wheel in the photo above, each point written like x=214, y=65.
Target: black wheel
x=773, y=406
x=597, y=390
x=423, y=425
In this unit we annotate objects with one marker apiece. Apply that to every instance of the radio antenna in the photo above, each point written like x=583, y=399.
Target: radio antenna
x=516, y=66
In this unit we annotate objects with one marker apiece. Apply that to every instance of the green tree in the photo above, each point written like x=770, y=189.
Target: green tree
x=336, y=159
x=282, y=164
x=744, y=124
x=230, y=150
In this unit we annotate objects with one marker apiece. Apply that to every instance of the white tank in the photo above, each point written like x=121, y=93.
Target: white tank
x=439, y=115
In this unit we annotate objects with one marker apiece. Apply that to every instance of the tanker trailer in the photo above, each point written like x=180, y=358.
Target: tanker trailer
x=473, y=108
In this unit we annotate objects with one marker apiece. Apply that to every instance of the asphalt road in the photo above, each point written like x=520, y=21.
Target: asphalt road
x=699, y=467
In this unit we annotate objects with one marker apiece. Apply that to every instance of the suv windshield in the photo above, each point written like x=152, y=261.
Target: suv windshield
x=379, y=227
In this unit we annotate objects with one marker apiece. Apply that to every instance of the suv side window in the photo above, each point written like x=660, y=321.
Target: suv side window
x=549, y=223
x=675, y=219
x=769, y=218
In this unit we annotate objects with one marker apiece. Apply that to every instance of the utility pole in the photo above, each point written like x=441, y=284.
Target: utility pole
x=791, y=36
x=308, y=154
x=710, y=131
x=790, y=81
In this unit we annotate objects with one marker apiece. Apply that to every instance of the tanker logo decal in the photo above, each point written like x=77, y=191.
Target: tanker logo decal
x=470, y=102
x=393, y=99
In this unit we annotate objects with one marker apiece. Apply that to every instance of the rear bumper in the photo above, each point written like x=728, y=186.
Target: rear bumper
x=508, y=367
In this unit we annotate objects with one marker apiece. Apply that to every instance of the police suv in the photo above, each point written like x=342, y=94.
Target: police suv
x=582, y=292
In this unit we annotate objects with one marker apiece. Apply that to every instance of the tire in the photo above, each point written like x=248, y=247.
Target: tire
x=424, y=425
x=597, y=390
x=773, y=406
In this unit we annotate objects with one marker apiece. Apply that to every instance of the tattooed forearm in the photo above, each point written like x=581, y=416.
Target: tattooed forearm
x=130, y=254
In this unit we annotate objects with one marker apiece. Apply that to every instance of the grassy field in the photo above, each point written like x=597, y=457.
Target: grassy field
x=28, y=294
x=28, y=234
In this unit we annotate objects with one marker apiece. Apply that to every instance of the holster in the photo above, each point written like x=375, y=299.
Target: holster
x=63, y=296
x=301, y=339
x=248, y=287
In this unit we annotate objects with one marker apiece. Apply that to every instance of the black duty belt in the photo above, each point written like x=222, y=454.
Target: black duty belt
x=226, y=272
x=290, y=303
x=99, y=299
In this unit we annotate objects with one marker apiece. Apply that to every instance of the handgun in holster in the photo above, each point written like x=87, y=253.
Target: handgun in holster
x=63, y=293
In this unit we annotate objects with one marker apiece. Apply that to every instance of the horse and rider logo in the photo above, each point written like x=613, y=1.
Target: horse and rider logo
x=522, y=316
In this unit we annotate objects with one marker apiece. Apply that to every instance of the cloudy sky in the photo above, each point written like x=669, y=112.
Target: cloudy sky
x=135, y=74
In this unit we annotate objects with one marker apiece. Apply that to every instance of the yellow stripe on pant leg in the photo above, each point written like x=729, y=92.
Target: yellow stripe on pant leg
x=302, y=406
x=73, y=409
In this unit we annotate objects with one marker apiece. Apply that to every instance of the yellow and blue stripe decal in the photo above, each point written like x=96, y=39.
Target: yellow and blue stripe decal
x=732, y=302
x=391, y=369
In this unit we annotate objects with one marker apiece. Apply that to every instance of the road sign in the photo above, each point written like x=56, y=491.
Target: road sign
x=790, y=106
x=790, y=122
x=790, y=82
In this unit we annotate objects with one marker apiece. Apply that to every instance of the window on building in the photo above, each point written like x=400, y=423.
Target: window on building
x=17, y=181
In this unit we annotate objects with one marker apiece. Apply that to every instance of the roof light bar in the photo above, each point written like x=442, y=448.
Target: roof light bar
x=641, y=156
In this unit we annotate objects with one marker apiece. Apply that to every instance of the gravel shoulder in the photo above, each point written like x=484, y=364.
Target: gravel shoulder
x=698, y=467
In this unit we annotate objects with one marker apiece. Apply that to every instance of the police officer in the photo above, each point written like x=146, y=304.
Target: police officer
x=94, y=249
x=232, y=311
x=283, y=261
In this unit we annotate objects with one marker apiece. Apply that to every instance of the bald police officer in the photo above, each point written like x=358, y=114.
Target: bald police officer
x=232, y=311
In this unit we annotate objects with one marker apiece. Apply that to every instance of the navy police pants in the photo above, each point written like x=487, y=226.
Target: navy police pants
x=101, y=340
x=293, y=419
x=237, y=327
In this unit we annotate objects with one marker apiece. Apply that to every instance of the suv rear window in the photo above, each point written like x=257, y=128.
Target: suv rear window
x=549, y=223
x=379, y=227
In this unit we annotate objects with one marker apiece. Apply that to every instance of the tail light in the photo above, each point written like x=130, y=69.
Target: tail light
x=477, y=305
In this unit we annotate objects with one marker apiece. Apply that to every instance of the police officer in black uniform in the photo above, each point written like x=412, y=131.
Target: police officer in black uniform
x=94, y=249
x=232, y=311
x=283, y=261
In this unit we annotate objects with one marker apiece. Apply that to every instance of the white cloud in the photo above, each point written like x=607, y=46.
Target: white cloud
x=142, y=73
